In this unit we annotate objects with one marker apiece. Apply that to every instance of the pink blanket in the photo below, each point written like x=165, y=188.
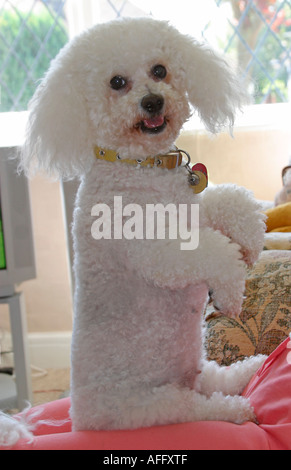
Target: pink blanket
x=269, y=392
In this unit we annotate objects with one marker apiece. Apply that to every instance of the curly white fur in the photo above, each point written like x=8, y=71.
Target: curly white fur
x=74, y=107
x=137, y=355
x=12, y=429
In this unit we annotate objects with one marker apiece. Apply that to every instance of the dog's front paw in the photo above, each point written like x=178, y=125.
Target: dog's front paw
x=234, y=212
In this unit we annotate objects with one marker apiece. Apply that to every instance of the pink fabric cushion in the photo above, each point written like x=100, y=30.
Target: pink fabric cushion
x=269, y=392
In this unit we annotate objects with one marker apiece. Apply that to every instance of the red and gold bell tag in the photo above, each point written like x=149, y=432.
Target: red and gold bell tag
x=198, y=178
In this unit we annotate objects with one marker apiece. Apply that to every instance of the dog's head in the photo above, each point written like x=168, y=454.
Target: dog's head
x=126, y=86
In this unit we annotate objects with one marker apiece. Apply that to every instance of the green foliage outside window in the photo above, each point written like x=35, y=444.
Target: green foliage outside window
x=258, y=38
x=27, y=46
x=266, y=31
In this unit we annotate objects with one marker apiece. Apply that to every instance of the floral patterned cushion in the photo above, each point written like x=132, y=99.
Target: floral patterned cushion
x=265, y=320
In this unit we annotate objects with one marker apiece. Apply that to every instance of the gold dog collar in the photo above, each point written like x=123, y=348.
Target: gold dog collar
x=197, y=177
x=172, y=160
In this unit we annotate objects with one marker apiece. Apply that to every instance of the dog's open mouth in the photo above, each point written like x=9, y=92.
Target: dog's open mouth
x=153, y=125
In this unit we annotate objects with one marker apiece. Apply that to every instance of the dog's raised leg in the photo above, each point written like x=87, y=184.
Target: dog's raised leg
x=216, y=261
x=234, y=212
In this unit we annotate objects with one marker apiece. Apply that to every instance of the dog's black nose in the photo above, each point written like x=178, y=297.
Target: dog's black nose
x=152, y=103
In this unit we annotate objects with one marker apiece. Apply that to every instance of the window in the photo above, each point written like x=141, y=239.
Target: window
x=256, y=34
x=31, y=34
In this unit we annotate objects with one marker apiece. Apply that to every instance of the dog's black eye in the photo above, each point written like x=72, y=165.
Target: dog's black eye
x=118, y=82
x=159, y=72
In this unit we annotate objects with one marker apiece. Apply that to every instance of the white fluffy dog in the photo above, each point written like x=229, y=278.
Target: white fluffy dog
x=115, y=96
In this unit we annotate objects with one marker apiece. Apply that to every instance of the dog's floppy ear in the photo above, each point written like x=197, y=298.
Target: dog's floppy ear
x=213, y=88
x=57, y=131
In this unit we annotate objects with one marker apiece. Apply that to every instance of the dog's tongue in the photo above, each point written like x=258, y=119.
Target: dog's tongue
x=154, y=122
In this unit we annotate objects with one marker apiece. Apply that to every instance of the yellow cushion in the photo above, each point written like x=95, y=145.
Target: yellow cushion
x=282, y=229
x=279, y=217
